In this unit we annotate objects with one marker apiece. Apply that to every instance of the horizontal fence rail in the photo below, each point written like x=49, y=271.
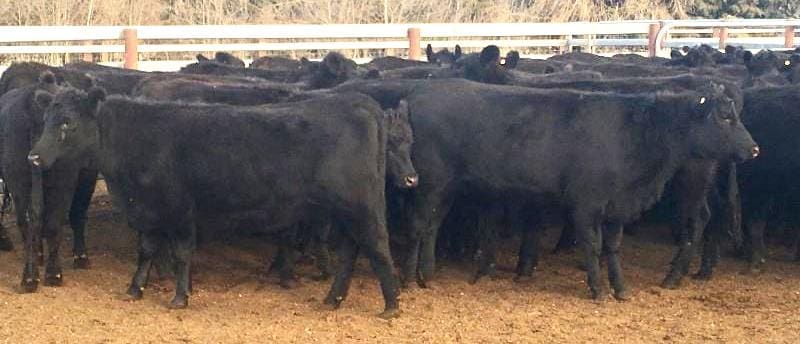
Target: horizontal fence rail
x=169, y=47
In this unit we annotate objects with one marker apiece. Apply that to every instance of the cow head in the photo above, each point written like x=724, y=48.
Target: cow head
x=333, y=70
x=716, y=131
x=399, y=169
x=484, y=67
x=70, y=125
x=443, y=58
x=228, y=59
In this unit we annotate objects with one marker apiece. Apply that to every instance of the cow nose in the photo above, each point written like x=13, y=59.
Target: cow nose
x=754, y=151
x=34, y=159
x=412, y=181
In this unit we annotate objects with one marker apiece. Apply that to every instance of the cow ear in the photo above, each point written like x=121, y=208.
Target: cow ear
x=747, y=56
x=43, y=98
x=490, y=54
x=96, y=95
x=429, y=52
x=512, y=58
x=704, y=106
x=47, y=78
x=457, y=53
x=201, y=58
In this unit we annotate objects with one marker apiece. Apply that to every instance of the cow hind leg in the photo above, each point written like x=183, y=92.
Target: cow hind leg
x=612, y=239
x=376, y=247
x=590, y=240
x=183, y=244
x=5, y=241
x=488, y=259
x=30, y=266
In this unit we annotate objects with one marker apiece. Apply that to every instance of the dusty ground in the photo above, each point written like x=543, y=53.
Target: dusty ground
x=234, y=303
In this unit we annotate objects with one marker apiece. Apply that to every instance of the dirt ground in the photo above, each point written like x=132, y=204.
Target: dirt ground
x=234, y=303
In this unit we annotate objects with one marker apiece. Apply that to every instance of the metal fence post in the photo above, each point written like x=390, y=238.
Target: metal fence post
x=414, y=43
x=131, y=48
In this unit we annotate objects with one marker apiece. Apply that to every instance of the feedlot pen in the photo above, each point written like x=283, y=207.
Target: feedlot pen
x=234, y=302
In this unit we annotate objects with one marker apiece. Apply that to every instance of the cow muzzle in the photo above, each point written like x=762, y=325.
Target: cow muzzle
x=35, y=159
x=411, y=181
x=754, y=152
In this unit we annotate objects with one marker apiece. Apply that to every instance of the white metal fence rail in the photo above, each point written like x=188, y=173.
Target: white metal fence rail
x=135, y=43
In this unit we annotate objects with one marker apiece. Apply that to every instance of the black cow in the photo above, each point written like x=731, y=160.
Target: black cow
x=44, y=198
x=605, y=157
x=691, y=184
x=216, y=91
x=334, y=69
x=443, y=58
x=770, y=183
x=224, y=58
x=281, y=63
x=282, y=163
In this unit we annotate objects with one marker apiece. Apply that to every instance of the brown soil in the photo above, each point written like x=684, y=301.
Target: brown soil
x=234, y=303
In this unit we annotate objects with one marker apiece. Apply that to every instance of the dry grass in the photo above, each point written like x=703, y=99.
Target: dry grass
x=153, y=12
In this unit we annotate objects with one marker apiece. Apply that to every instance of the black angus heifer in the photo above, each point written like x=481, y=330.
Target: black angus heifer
x=216, y=91
x=171, y=162
x=66, y=189
x=606, y=157
x=334, y=69
x=771, y=181
x=224, y=58
x=443, y=58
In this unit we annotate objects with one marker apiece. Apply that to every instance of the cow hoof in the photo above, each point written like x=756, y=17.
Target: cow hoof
x=523, y=279
x=596, y=296
x=29, y=285
x=6, y=244
x=289, y=283
x=670, y=283
x=622, y=295
x=390, y=313
x=53, y=280
x=80, y=262
x=134, y=294
x=321, y=277
x=702, y=275
x=178, y=303
x=332, y=303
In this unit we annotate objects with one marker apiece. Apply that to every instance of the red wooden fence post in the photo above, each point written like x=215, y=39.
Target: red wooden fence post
x=652, y=50
x=789, y=37
x=414, y=43
x=131, y=48
x=723, y=37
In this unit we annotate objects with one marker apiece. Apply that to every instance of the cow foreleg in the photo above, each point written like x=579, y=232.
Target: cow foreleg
x=693, y=224
x=347, y=252
x=148, y=245
x=77, y=217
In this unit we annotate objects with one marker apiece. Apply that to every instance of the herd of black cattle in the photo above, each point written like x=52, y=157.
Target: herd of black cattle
x=405, y=161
